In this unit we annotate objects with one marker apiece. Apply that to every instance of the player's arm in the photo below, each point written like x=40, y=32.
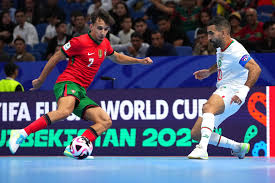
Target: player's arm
x=213, y=69
x=58, y=56
x=254, y=72
x=126, y=60
x=205, y=73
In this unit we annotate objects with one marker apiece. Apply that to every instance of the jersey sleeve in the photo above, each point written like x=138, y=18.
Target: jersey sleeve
x=71, y=48
x=110, y=50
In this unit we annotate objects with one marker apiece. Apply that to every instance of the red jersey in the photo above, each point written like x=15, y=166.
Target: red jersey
x=252, y=35
x=85, y=57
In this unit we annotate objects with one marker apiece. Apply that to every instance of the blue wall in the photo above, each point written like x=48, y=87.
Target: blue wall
x=165, y=72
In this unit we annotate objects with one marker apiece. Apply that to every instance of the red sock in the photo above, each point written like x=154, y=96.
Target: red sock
x=90, y=134
x=38, y=124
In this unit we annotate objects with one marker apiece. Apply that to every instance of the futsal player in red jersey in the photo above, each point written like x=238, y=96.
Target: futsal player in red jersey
x=86, y=53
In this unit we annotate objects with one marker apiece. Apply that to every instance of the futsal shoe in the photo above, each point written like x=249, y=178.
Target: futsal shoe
x=67, y=152
x=198, y=153
x=17, y=137
x=244, y=149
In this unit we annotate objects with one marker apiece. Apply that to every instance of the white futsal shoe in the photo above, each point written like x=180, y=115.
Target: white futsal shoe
x=198, y=153
x=67, y=152
x=17, y=137
x=244, y=149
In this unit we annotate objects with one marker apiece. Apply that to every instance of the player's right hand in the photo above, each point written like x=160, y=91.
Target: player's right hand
x=36, y=83
x=201, y=74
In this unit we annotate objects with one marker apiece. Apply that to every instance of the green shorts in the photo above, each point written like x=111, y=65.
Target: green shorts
x=69, y=88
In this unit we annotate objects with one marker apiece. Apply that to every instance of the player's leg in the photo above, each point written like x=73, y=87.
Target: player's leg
x=215, y=139
x=212, y=107
x=102, y=122
x=65, y=108
x=90, y=111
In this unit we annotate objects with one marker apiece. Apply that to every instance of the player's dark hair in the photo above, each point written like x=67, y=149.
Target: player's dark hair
x=220, y=23
x=10, y=69
x=104, y=15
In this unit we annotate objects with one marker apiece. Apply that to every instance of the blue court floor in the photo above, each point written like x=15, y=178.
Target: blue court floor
x=136, y=170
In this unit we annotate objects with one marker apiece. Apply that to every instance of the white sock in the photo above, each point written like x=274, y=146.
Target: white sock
x=207, y=127
x=221, y=141
x=24, y=133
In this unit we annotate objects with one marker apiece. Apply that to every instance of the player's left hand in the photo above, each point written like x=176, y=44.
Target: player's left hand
x=146, y=61
x=236, y=100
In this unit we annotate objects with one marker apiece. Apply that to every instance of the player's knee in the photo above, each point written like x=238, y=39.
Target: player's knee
x=107, y=123
x=64, y=113
x=195, y=135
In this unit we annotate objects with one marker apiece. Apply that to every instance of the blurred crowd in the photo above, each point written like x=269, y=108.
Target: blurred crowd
x=32, y=30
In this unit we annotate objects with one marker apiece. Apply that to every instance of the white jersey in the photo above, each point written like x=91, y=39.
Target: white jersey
x=230, y=65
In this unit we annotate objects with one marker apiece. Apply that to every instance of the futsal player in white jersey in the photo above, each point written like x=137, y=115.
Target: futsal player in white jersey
x=237, y=73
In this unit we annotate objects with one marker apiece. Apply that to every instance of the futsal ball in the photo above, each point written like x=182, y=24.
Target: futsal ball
x=81, y=147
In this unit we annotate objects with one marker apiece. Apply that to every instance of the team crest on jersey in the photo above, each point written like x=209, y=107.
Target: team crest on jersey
x=105, y=53
x=67, y=46
x=99, y=53
x=73, y=91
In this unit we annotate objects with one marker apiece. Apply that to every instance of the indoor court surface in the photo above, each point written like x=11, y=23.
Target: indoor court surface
x=136, y=170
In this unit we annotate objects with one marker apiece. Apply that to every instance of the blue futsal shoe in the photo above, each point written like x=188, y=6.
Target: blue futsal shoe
x=17, y=137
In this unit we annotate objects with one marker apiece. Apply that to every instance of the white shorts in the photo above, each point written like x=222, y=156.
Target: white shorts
x=226, y=93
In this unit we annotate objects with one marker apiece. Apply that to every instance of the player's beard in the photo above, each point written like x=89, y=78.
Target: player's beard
x=216, y=43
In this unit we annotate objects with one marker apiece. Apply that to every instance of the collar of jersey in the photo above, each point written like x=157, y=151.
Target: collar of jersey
x=227, y=46
x=98, y=43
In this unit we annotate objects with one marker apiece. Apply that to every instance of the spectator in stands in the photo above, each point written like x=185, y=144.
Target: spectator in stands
x=267, y=45
x=159, y=47
x=171, y=34
x=50, y=29
x=10, y=84
x=253, y=31
x=25, y=29
x=153, y=13
x=120, y=11
x=186, y=14
x=49, y=8
x=135, y=48
x=21, y=54
x=141, y=27
x=235, y=22
x=6, y=27
x=4, y=57
x=71, y=24
x=31, y=13
x=99, y=4
x=202, y=45
x=80, y=27
x=6, y=6
x=204, y=17
x=125, y=33
x=113, y=38
x=59, y=40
